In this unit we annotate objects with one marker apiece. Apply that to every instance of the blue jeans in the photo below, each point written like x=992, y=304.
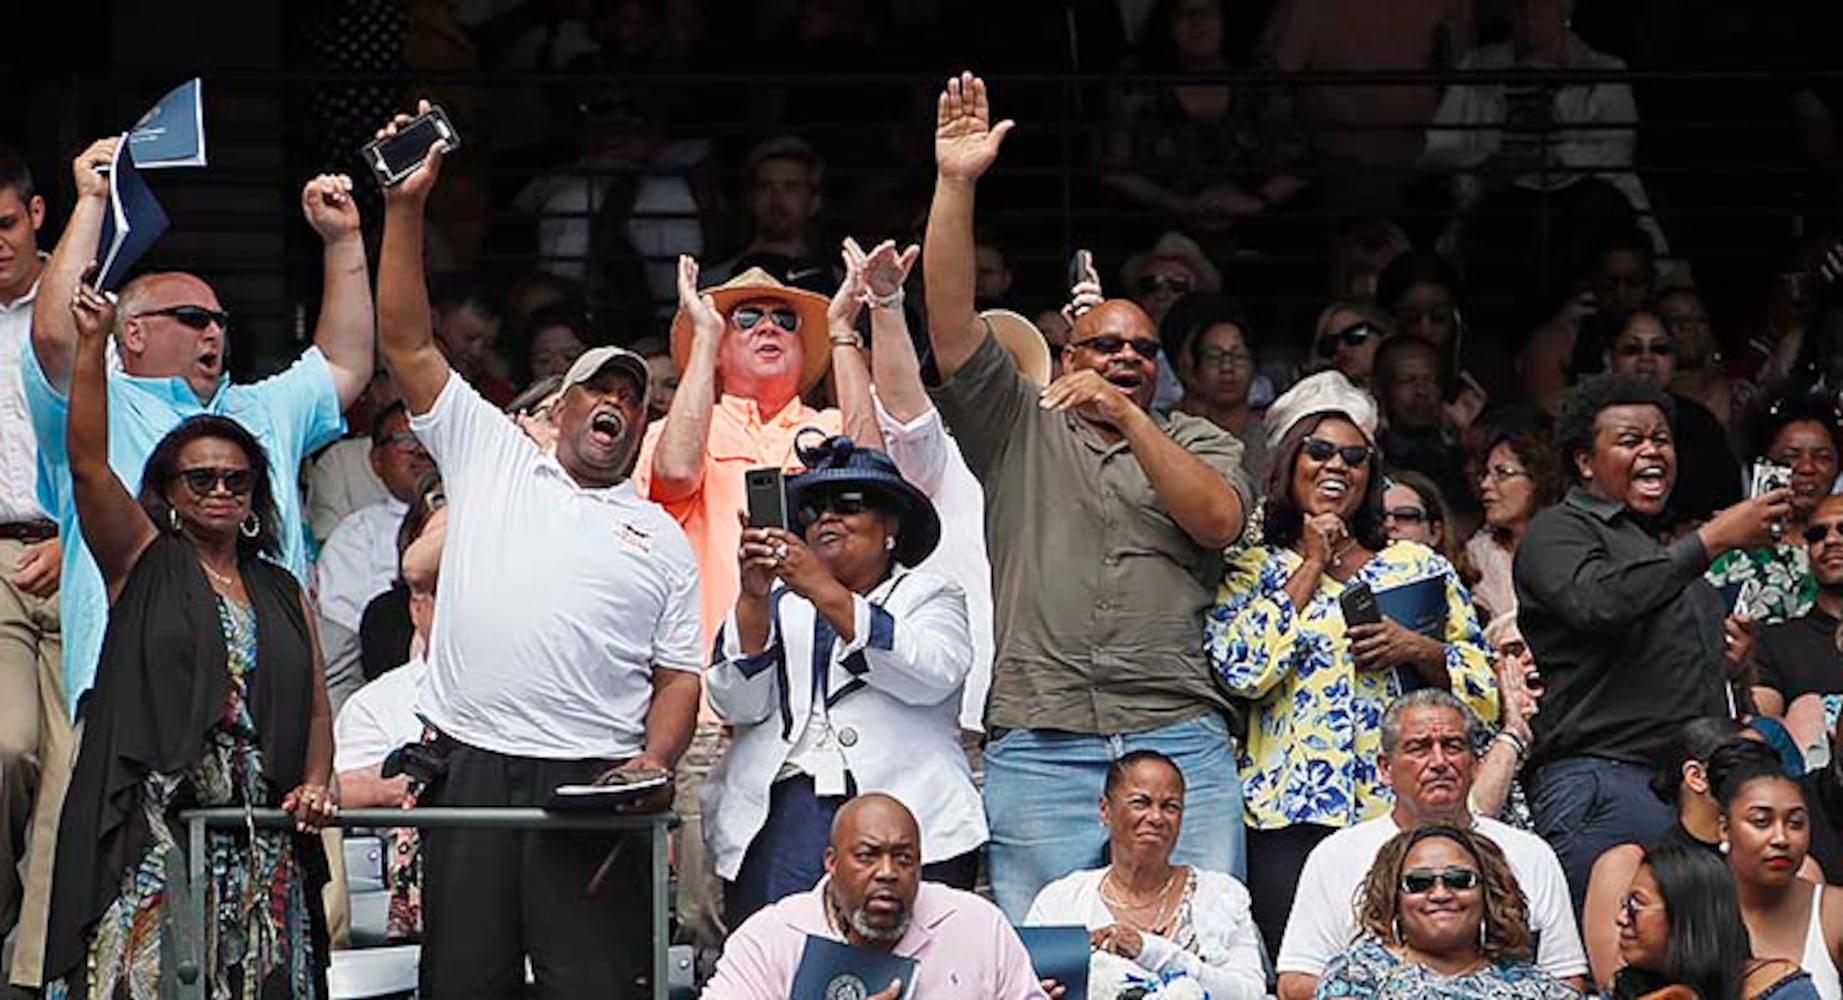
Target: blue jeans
x=1043, y=793
x=1584, y=805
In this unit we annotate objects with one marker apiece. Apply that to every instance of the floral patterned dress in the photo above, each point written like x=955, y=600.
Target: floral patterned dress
x=257, y=931
x=1315, y=728
x=1373, y=972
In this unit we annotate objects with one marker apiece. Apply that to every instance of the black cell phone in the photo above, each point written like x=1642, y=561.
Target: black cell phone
x=766, y=492
x=1079, y=264
x=396, y=157
x=1358, y=603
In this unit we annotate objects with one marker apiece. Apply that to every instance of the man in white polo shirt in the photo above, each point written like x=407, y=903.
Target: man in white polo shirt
x=1428, y=756
x=568, y=644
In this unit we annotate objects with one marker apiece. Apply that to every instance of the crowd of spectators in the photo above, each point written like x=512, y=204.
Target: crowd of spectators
x=1430, y=610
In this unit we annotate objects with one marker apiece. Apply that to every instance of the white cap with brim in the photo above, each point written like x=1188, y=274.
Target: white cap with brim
x=1325, y=392
x=593, y=360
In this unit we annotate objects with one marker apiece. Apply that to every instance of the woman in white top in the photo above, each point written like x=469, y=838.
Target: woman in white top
x=841, y=671
x=1147, y=916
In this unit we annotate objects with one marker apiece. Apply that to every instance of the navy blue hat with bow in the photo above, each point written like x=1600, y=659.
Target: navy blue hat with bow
x=838, y=464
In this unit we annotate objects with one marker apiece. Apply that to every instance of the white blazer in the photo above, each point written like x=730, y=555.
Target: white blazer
x=894, y=702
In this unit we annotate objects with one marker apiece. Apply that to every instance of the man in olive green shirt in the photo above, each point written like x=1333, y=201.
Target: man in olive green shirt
x=1105, y=524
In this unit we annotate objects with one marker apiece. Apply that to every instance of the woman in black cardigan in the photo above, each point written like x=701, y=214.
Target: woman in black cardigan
x=209, y=692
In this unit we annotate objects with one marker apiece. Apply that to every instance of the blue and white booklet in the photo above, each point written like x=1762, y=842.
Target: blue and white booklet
x=833, y=970
x=1060, y=953
x=131, y=223
x=172, y=132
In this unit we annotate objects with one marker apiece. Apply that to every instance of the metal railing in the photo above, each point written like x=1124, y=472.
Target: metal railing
x=182, y=957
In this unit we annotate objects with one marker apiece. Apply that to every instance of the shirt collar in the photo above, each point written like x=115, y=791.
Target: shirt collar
x=748, y=411
x=1594, y=504
x=26, y=300
x=931, y=909
x=620, y=494
x=177, y=391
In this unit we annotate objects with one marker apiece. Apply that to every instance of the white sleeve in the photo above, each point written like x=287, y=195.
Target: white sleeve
x=917, y=649
x=344, y=568
x=360, y=737
x=1551, y=915
x=1320, y=925
x=678, y=642
x=477, y=447
x=739, y=686
x=919, y=447
x=1225, y=928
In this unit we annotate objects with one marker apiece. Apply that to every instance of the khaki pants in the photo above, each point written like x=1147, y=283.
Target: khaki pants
x=700, y=892
x=37, y=750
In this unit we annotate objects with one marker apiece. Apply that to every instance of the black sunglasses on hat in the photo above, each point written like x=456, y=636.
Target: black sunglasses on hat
x=1351, y=336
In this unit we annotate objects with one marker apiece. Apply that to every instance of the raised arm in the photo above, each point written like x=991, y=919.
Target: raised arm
x=850, y=370
x=114, y=526
x=54, y=332
x=406, y=328
x=678, y=461
x=347, y=331
x=965, y=146
x=894, y=368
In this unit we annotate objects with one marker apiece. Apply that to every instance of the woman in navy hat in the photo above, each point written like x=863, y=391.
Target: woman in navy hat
x=840, y=668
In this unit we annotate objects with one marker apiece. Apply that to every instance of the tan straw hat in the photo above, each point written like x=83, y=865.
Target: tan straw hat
x=756, y=283
x=1023, y=341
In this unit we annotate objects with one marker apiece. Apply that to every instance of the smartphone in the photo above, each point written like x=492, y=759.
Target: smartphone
x=766, y=492
x=396, y=157
x=1079, y=265
x=1769, y=476
x=1358, y=603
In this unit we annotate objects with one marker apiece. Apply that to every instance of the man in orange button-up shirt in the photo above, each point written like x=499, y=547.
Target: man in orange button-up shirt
x=746, y=350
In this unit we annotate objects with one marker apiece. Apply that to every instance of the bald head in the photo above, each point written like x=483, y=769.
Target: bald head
x=874, y=868
x=160, y=337
x=1119, y=342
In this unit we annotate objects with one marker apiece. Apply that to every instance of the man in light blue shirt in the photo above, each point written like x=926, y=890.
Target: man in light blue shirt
x=173, y=340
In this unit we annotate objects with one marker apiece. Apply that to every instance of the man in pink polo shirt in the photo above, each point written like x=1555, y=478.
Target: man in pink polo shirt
x=873, y=897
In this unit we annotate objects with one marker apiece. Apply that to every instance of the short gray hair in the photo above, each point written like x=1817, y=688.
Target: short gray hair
x=1427, y=698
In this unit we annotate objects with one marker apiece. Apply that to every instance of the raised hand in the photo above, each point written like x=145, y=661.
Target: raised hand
x=421, y=181
x=327, y=203
x=1465, y=408
x=886, y=270
x=965, y=140
x=706, y=321
x=91, y=168
x=94, y=311
x=842, y=311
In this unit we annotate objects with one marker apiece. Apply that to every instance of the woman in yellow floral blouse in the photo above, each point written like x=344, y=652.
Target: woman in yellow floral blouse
x=1318, y=687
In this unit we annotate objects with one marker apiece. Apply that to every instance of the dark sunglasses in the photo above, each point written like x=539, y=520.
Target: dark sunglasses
x=204, y=481
x=1420, y=881
x=1657, y=349
x=1112, y=343
x=403, y=441
x=1409, y=515
x=1351, y=336
x=196, y=317
x=1818, y=532
x=1320, y=450
x=842, y=503
x=1165, y=282
x=747, y=316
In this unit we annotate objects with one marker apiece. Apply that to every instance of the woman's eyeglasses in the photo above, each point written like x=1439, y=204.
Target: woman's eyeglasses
x=1351, y=336
x=1406, y=515
x=1224, y=360
x=747, y=317
x=1635, y=349
x=1420, y=881
x=203, y=482
x=1630, y=906
x=1498, y=475
x=844, y=504
x=196, y=317
x=1320, y=450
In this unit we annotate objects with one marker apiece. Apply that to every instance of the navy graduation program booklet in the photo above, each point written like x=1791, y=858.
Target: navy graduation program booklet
x=131, y=223
x=172, y=132
x=833, y=970
x=1060, y=953
x=1419, y=606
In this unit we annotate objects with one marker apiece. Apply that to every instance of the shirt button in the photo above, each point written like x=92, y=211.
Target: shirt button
x=1112, y=560
x=847, y=737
